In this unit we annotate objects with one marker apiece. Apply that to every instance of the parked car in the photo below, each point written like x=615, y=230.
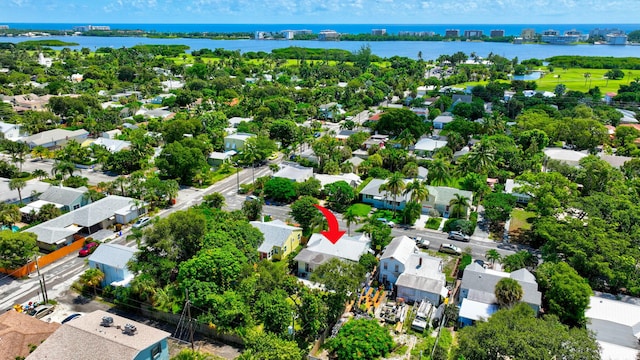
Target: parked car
x=422, y=243
x=142, y=222
x=41, y=311
x=459, y=236
x=88, y=249
x=316, y=135
x=450, y=249
x=386, y=222
x=70, y=317
x=273, y=156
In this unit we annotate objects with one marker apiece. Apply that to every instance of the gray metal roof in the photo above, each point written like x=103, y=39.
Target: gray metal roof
x=55, y=230
x=54, y=136
x=420, y=282
x=484, y=280
x=312, y=257
x=400, y=248
x=275, y=233
x=294, y=172
x=62, y=195
x=113, y=255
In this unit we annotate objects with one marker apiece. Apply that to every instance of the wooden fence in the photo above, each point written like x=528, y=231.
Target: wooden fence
x=45, y=259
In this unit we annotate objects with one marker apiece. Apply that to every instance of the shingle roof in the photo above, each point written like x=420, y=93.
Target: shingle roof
x=55, y=230
x=113, y=255
x=441, y=194
x=62, y=195
x=84, y=338
x=477, y=278
x=18, y=330
x=10, y=196
x=275, y=233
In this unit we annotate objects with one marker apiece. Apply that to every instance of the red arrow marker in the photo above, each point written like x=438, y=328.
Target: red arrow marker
x=334, y=234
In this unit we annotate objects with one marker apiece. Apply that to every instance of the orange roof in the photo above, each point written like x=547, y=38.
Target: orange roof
x=375, y=117
x=234, y=102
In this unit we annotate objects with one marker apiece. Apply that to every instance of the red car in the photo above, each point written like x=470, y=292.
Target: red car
x=88, y=249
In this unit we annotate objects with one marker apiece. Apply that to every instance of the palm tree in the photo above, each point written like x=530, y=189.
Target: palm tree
x=250, y=156
x=508, y=292
x=40, y=174
x=63, y=167
x=17, y=184
x=418, y=189
x=480, y=160
x=136, y=234
x=458, y=205
x=394, y=186
x=411, y=212
x=439, y=172
x=406, y=139
x=493, y=255
x=144, y=286
x=9, y=215
x=92, y=277
x=119, y=183
x=350, y=217
x=93, y=195
x=40, y=151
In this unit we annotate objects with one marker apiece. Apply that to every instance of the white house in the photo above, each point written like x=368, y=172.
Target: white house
x=509, y=188
x=415, y=275
x=428, y=146
x=478, y=286
x=565, y=156
x=11, y=131
x=55, y=138
x=294, y=172
x=320, y=250
x=616, y=324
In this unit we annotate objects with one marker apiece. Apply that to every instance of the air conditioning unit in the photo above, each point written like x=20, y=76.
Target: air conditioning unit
x=130, y=329
x=107, y=321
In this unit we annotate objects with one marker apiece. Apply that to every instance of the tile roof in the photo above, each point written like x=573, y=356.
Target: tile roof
x=18, y=331
x=84, y=338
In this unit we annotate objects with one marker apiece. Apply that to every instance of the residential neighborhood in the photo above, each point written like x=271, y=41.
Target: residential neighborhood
x=161, y=202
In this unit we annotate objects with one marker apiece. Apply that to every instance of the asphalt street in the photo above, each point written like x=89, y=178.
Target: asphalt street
x=60, y=275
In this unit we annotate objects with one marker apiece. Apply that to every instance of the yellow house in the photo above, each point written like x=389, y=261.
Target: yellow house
x=280, y=239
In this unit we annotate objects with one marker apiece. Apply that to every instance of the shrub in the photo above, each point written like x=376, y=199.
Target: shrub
x=433, y=223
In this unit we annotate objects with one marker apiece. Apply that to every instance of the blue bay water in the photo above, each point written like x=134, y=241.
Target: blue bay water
x=510, y=29
x=430, y=49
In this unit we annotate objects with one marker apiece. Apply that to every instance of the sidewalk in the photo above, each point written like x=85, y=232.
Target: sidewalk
x=480, y=234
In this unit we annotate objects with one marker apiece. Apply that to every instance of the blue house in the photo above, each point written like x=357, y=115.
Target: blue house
x=439, y=197
x=112, y=260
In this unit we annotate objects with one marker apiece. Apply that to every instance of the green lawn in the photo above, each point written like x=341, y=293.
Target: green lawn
x=433, y=223
x=361, y=210
x=521, y=220
x=574, y=79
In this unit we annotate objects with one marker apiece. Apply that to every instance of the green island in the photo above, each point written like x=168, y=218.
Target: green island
x=542, y=176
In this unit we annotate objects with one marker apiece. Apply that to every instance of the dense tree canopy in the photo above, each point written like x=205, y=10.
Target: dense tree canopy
x=518, y=334
x=361, y=339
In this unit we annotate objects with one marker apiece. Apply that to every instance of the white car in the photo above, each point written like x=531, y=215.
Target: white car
x=142, y=222
x=422, y=243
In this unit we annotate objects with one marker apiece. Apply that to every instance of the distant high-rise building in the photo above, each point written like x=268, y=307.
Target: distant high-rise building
x=4, y=27
x=472, y=33
x=528, y=34
x=416, y=33
x=452, y=33
x=326, y=35
x=379, y=32
x=497, y=33
x=603, y=32
x=84, y=28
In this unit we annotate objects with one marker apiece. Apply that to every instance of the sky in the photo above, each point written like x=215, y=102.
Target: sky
x=321, y=11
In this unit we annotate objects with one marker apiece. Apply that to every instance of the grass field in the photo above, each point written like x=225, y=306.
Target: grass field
x=521, y=220
x=574, y=79
x=361, y=210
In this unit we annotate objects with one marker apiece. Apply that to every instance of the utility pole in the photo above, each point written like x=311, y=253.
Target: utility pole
x=444, y=319
x=188, y=303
